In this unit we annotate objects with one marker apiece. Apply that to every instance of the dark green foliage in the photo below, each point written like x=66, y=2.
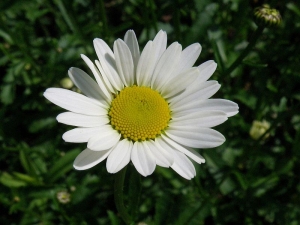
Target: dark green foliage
x=244, y=181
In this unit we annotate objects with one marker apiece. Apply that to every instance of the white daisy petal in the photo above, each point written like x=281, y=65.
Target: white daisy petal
x=226, y=106
x=93, y=68
x=188, y=57
x=165, y=66
x=206, y=70
x=180, y=82
x=88, y=158
x=162, y=156
x=229, y=107
x=159, y=44
x=142, y=159
x=203, y=138
x=119, y=157
x=124, y=62
x=132, y=43
x=205, y=91
x=106, y=81
x=183, y=166
x=80, y=135
x=80, y=120
x=149, y=58
x=200, y=118
x=107, y=138
x=107, y=61
x=190, y=152
x=145, y=66
x=86, y=84
x=74, y=102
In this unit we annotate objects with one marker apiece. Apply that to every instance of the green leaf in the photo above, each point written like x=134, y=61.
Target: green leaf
x=8, y=88
x=262, y=185
x=227, y=186
x=38, y=125
x=27, y=162
x=8, y=94
x=286, y=166
x=62, y=166
x=271, y=87
x=162, y=208
x=218, y=47
x=12, y=181
x=34, y=14
x=114, y=220
x=5, y=36
x=195, y=215
x=292, y=6
x=24, y=177
x=246, y=98
x=254, y=64
x=214, y=160
x=241, y=179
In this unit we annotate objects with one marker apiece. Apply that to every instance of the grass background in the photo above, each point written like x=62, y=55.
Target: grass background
x=244, y=181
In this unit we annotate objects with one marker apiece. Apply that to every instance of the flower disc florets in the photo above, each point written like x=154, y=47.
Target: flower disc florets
x=139, y=113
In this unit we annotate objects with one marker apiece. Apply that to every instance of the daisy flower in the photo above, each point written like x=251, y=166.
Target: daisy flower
x=150, y=108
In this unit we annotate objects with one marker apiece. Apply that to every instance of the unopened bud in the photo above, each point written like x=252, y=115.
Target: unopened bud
x=17, y=199
x=66, y=83
x=266, y=16
x=258, y=129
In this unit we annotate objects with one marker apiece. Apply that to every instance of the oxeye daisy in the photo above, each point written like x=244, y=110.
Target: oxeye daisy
x=150, y=108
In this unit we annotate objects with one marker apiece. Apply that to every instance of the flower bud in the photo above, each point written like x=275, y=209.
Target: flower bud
x=258, y=129
x=66, y=83
x=266, y=16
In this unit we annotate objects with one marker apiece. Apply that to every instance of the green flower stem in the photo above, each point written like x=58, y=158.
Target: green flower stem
x=177, y=21
x=146, y=18
x=153, y=14
x=217, y=54
x=134, y=194
x=69, y=20
x=118, y=193
x=246, y=51
x=103, y=19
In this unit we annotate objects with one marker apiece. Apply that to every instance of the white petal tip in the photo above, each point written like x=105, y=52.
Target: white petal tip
x=88, y=159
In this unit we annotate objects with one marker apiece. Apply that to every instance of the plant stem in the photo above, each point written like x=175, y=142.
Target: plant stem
x=153, y=15
x=70, y=21
x=66, y=16
x=177, y=20
x=146, y=18
x=217, y=54
x=134, y=194
x=118, y=194
x=104, y=20
x=246, y=51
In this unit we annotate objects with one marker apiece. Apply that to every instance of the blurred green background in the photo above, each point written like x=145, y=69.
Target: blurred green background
x=250, y=179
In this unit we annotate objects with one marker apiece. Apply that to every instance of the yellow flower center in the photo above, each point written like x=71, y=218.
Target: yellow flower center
x=139, y=113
